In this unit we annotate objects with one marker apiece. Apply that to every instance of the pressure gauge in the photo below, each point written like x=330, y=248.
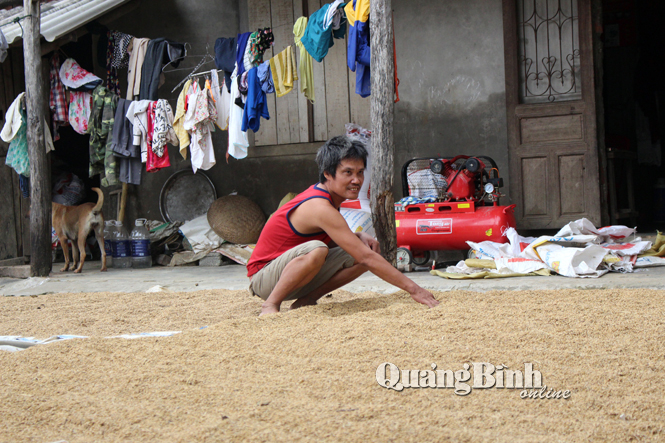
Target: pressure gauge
x=403, y=256
x=436, y=166
x=489, y=188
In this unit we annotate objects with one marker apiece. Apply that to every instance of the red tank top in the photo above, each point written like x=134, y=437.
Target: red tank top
x=279, y=235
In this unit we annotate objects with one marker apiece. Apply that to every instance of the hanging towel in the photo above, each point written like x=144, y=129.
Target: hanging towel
x=138, y=47
x=13, y=120
x=306, y=71
x=358, y=54
x=318, y=37
x=179, y=120
x=163, y=128
x=283, y=70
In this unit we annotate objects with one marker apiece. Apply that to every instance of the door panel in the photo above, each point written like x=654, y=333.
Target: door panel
x=534, y=198
x=551, y=112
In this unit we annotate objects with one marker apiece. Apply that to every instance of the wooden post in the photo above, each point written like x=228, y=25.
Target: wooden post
x=40, y=180
x=597, y=17
x=382, y=112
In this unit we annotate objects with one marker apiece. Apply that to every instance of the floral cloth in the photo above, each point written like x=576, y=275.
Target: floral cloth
x=17, y=155
x=80, y=106
x=74, y=76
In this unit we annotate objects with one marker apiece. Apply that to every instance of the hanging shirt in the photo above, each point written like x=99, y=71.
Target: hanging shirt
x=80, y=106
x=318, y=37
x=221, y=96
x=358, y=54
x=225, y=57
x=240, y=52
x=238, y=143
x=283, y=70
x=57, y=97
x=306, y=71
x=256, y=105
x=17, y=154
x=163, y=127
x=102, y=116
x=160, y=51
x=137, y=115
x=265, y=77
x=154, y=161
x=199, y=119
x=135, y=65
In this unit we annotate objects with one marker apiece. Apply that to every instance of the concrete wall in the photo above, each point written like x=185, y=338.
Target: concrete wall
x=452, y=81
x=450, y=63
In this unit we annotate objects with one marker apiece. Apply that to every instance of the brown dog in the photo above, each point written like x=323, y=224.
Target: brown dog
x=75, y=223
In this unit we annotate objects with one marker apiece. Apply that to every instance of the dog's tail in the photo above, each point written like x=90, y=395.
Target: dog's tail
x=100, y=201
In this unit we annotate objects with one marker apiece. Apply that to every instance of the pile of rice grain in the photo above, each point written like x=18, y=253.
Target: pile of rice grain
x=310, y=374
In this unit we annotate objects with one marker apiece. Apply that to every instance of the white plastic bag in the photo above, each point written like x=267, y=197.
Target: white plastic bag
x=358, y=220
x=200, y=235
x=573, y=262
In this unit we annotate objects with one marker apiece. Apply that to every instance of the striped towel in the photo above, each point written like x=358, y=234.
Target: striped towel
x=283, y=70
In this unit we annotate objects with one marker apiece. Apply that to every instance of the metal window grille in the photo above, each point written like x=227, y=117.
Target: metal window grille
x=549, y=52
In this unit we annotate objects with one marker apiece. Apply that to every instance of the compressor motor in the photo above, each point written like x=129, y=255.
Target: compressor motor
x=450, y=201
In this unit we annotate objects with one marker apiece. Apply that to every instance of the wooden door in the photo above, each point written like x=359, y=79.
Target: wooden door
x=551, y=112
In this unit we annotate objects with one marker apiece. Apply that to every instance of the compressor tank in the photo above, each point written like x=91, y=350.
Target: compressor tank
x=448, y=226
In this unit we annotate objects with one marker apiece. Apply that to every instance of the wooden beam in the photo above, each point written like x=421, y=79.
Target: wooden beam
x=40, y=174
x=382, y=112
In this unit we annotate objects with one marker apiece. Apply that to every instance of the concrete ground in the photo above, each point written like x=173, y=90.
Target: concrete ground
x=196, y=278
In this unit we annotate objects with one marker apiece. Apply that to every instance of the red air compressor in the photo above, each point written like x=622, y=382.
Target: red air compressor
x=449, y=201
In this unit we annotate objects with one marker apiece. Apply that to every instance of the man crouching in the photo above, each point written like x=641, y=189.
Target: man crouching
x=307, y=250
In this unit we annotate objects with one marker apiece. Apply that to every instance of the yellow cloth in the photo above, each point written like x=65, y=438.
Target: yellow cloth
x=361, y=14
x=179, y=119
x=306, y=77
x=283, y=70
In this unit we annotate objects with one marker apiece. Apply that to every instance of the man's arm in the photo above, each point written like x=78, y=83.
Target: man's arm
x=332, y=222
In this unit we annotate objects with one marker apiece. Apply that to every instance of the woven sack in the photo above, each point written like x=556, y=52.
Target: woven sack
x=236, y=219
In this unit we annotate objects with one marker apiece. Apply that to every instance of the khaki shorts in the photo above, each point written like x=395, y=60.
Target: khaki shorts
x=264, y=281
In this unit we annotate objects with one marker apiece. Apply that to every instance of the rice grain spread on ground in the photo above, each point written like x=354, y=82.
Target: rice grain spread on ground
x=309, y=374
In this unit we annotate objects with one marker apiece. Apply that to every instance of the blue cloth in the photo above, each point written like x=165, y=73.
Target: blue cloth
x=225, y=57
x=317, y=39
x=358, y=54
x=24, y=184
x=240, y=53
x=265, y=77
x=256, y=105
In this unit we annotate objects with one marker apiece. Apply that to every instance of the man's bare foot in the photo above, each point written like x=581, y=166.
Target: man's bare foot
x=269, y=308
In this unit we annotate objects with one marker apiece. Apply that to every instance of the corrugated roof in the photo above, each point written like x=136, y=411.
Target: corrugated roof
x=58, y=17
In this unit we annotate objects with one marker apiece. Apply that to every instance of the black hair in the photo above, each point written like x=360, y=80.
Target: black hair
x=330, y=155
